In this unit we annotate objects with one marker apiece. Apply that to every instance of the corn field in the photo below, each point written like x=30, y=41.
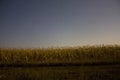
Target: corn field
x=89, y=54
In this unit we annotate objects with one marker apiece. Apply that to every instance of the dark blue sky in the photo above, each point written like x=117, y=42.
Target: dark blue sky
x=45, y=23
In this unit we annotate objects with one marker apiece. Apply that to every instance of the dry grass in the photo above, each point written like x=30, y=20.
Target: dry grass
x=109, y=53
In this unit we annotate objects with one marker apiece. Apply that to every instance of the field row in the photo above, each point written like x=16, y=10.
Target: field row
x=89, y=54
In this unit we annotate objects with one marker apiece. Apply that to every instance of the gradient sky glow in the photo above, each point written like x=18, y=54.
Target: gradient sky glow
x=46, y=23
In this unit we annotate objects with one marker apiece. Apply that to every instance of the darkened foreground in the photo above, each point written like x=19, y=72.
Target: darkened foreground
x=62, y=56
x=80, y=63
x=111, y=72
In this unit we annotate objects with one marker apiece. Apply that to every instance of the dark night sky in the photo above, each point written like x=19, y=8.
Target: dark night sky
x=45, y=23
